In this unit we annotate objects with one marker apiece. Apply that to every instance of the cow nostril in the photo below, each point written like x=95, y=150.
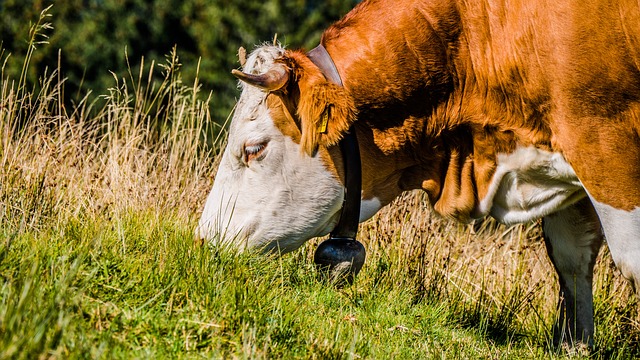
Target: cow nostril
x=254, y=151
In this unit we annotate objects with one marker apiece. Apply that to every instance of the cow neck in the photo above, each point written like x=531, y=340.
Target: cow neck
x=347, y=227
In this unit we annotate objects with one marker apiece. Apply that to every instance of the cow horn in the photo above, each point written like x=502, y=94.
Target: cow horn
x=272, y=80
x=242, y=56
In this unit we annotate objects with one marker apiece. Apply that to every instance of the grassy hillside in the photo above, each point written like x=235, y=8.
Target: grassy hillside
x=97, y=258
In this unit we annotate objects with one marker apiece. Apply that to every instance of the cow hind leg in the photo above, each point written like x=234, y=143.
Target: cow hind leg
x=605, y=154
x=573, y=237
x=622, y=231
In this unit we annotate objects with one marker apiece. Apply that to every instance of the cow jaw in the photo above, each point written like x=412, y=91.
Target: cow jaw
x=268, y=194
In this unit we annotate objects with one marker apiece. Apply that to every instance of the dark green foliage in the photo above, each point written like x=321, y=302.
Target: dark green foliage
x=97, y=36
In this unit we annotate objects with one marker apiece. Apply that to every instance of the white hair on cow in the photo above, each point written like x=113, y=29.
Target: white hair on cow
x=259, y=61
x=276, y=201
x=262, y=58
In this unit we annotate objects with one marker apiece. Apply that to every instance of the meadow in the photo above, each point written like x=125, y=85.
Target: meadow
x=98, y=202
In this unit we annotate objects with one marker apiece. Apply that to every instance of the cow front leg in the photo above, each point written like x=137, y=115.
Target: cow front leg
x=573, y=237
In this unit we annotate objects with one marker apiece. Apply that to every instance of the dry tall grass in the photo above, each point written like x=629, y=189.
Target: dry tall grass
x=495, y=277
x=142, y=150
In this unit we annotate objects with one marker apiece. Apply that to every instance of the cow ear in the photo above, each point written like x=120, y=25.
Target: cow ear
x=326, y=111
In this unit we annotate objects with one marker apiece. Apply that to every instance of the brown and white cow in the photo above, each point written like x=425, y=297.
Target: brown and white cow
x=519, y=110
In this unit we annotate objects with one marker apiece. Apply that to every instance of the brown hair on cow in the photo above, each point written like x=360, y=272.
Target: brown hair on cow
x=325, y=110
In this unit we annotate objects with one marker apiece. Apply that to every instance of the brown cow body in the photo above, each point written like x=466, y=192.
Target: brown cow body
x=479, y=103
x=477, y=79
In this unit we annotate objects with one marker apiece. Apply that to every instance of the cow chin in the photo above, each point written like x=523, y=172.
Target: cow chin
x=286, y=238
x=256, y=228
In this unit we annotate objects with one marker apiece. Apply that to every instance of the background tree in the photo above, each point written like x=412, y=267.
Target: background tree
x=93, y=36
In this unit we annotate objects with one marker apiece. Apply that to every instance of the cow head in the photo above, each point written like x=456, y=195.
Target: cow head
x=277, y=185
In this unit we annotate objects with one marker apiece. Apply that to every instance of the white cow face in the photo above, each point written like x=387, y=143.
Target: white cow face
x=268, y=193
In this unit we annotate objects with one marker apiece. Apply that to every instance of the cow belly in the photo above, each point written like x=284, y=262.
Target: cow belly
x=528, y=184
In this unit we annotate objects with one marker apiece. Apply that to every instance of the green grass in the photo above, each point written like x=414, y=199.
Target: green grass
x=144, y=289
x=98, y=260
x=139, y=287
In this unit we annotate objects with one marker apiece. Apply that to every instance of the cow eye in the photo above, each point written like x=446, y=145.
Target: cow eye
x=254, y=151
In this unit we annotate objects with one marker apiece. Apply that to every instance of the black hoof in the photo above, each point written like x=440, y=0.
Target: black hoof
x=340, y=259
